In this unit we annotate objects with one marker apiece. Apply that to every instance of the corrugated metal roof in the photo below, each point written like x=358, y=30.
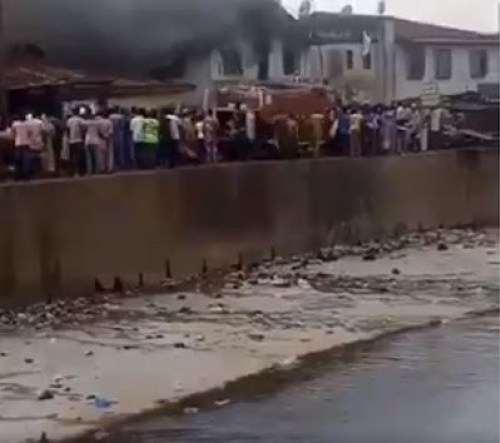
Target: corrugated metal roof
x=36, y=75
x=31, y=75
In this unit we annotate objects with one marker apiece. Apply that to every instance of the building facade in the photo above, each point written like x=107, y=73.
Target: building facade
x=382, y=59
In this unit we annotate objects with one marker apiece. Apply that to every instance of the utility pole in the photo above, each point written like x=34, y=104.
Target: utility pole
x=4, y=105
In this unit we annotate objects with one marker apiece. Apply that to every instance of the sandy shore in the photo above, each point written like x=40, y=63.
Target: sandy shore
x=163, y=348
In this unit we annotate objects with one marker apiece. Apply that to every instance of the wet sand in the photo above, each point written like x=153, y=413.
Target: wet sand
x=161, y=349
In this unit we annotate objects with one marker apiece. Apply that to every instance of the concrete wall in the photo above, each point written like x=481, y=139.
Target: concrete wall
x=460, y=81
x=56, y=237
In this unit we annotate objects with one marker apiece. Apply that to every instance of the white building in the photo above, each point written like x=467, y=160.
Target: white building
x=379, y=58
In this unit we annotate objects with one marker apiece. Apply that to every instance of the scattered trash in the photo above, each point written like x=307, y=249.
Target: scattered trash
x=436, y=321
x=185, y=310
x=45, y=394
x=289, y=362
x=180, y=345
x=57, y=379
x=221, y=403
x=395, y=271
x=217, y=309
x=256, y=336
x=280, y=282
x=303, y=284
x=102, y=403
x=369, y=256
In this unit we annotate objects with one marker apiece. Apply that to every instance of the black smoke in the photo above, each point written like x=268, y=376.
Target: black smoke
x=132, y=37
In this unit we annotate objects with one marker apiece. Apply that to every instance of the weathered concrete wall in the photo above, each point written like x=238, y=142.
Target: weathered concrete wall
x=56, y=237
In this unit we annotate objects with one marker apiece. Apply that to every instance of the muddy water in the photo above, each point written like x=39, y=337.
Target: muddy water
x=435, y=385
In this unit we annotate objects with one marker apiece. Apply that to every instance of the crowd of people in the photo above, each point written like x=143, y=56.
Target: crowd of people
x=103, y=141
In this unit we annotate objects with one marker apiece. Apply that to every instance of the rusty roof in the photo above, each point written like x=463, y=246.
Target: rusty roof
x=32, y=75
x=37, y=75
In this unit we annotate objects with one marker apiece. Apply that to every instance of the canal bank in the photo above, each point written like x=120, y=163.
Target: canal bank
x=58, y=237
x=163, y=352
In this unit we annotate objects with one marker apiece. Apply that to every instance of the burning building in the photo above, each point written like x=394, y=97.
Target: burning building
x=140, y=37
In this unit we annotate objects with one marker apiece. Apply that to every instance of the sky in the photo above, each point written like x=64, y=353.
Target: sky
x=479, y=15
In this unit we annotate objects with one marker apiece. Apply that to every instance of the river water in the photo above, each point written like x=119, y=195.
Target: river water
x=434, y=385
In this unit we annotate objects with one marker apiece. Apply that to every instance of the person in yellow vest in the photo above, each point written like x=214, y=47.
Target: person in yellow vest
x=148, y=151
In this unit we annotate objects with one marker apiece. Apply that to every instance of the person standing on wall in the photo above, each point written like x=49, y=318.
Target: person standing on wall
x=356, y=119
x=211, y=129
x=104, y=152
x=49, y=157
x=92, y=142
x=148, y=155
x=37, y=144
x=403, y=114
x=137, y=132
x=436, y=127
x=75, y=134
x=173, y=145
x=20, y=133
x=344, y=132
x=200, y=136
x=333, y=129
x=118, y=153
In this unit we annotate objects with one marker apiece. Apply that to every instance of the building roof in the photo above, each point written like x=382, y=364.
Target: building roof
x=341, y=27
x=37, y=74
x=426, y=32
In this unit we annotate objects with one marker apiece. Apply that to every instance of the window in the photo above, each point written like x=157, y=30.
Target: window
x=367, y=61
x=231, y=62
x=478, y=62
x=415, y=63
x=349, y=59
x=290, y=65
x=442, y=61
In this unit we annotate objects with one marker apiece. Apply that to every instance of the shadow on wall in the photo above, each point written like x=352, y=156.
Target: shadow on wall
x=57, y=237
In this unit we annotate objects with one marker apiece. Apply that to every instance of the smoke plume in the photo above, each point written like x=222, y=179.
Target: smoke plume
x=134, y=36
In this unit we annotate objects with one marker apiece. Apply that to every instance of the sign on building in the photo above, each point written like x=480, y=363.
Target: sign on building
x=430, y=96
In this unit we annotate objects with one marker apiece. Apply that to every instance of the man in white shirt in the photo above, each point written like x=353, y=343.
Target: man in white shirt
x=20, y=133
x=36, y=135
x=75, y=133
x=137, y=129
x=170, y=138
